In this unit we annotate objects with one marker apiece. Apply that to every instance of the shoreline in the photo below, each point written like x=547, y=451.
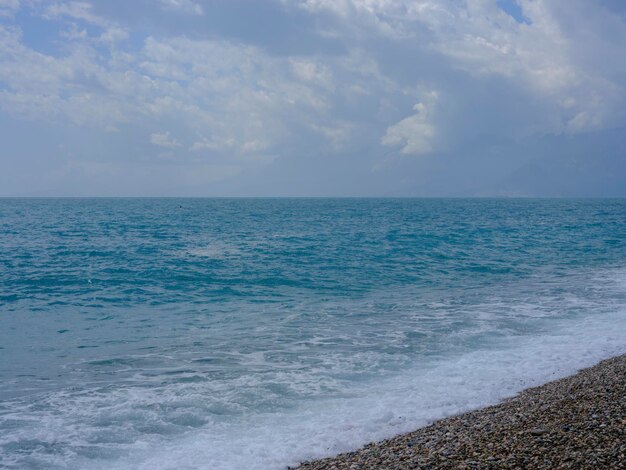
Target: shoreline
x=578, y=421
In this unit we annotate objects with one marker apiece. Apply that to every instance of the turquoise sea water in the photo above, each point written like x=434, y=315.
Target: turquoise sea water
x=255, y=333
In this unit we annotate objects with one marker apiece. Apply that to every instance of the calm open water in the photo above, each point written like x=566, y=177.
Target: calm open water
x=255, y=333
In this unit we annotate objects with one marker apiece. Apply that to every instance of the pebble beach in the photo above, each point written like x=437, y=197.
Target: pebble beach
x=577, y=422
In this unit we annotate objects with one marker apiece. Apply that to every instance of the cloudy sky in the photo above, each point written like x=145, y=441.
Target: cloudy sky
x=313, y=97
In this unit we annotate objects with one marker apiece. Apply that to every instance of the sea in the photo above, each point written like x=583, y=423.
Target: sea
x=257, y=333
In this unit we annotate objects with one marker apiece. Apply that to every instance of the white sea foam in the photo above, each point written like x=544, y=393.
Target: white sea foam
x=382, y=409
x=282, y=408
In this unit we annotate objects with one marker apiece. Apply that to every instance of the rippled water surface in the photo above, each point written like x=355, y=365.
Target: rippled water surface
x=254, y=333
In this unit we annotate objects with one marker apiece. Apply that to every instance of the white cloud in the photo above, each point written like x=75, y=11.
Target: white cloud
x=254, y=146
x=114, y=34
x=164, y=139
x=338, y=134
x=310, y=71
x=76, y=87
x=77, y=10
x=231, y=145
x=208, y=144
x=383, y=17
x=550, y=57
x=9, y=7
x=74, y=33
x=415, y=133
x=238, y=99
x=182, y=6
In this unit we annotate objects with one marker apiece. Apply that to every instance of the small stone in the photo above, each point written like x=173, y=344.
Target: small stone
x=538, y=431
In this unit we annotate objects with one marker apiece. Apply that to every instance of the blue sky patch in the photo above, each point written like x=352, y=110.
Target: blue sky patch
x=513, y=9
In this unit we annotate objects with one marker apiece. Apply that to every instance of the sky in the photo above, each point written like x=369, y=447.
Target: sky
x=313, y=98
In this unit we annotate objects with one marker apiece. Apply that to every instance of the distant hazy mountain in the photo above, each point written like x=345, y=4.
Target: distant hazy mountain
x=569, y=166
